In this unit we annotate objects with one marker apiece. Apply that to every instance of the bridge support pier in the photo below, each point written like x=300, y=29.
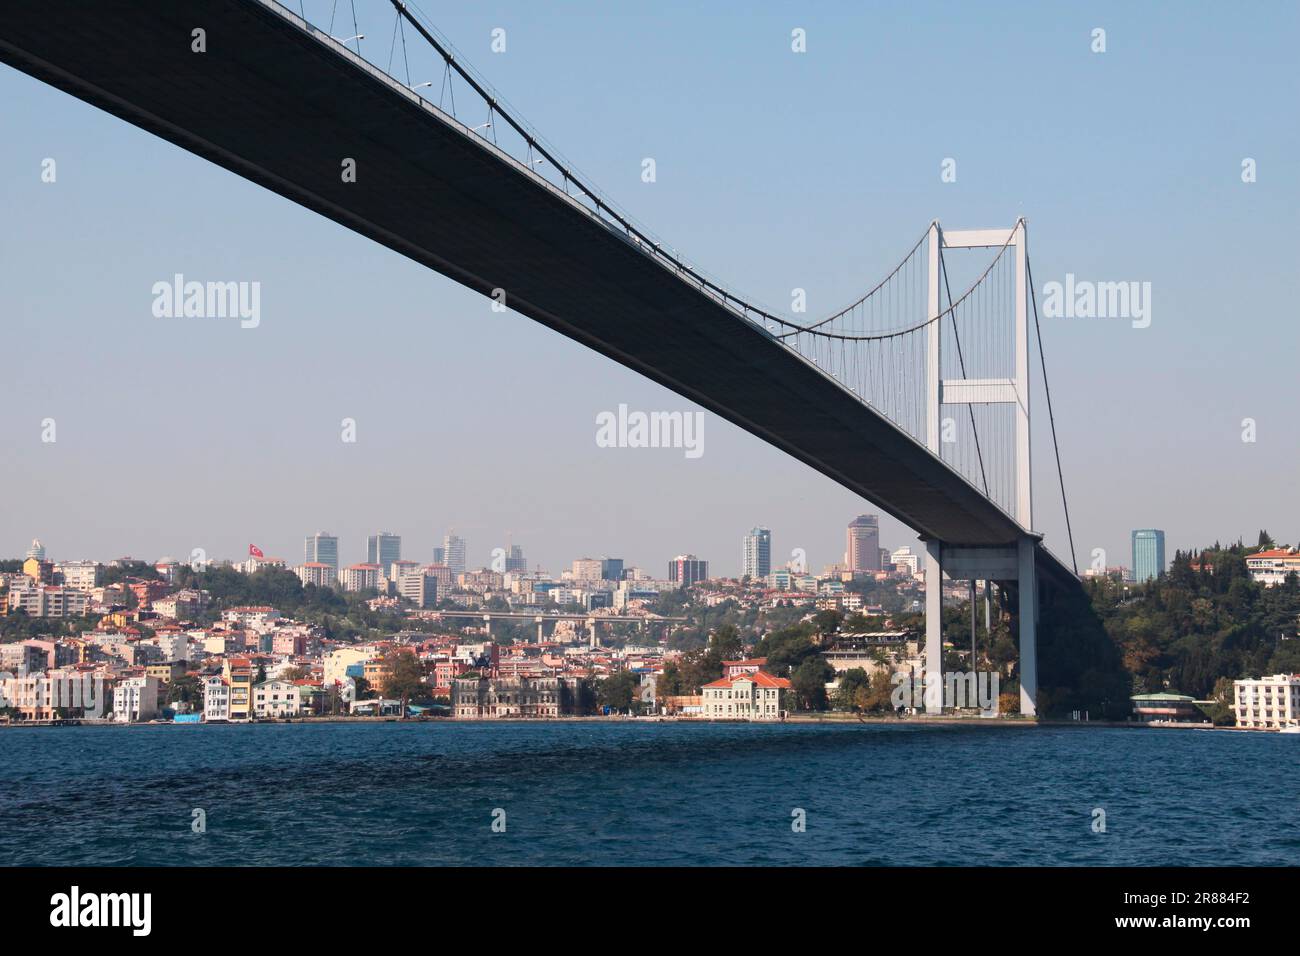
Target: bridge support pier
x=987, y=563
x=1028, y=627
x=933, y=628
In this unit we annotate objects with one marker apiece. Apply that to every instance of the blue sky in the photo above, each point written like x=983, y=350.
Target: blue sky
x=775, y=170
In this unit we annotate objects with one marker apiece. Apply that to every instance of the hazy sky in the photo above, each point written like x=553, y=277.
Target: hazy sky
x=775, y=170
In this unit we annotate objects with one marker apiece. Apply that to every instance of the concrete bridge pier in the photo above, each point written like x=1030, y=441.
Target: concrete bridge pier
x=1015, y=563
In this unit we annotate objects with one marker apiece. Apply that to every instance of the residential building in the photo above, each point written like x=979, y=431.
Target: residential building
x=318, y=573
x=419, y=588
x=216, y=700
x=322, y=547
x=1271, y=567
x=862, y=552
x=747, y=696
x=756, y=560
x=256, y=617
x=276, y=698
x=360, y=577
x=586, y=571
x=1267, y=702
x=135, y=699
x=1148, y=554
x=238, y=675
x=80, y=575
x=45, y=600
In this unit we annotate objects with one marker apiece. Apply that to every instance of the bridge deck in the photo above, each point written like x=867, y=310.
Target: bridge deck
x=274, y=104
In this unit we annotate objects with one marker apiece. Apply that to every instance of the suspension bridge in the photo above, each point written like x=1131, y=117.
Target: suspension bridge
x=916, y=396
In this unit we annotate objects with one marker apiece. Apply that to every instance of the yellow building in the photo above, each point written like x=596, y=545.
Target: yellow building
x=238, y=673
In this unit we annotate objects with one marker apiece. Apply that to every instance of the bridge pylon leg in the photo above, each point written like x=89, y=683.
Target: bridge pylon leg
x=1028, y=615
x=933, y=627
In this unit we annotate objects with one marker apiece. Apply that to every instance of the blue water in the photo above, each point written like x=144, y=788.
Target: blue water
x=644, y=793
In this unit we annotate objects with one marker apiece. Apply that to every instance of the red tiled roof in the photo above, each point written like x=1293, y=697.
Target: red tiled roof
x=761, y=678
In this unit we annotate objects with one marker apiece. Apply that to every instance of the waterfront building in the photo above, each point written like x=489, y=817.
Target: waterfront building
x=238, y=675
x=686, y=570
x=1167, y=708
x=476, y=697
x=756, y=559
x=276, y=698
x=383, y=549
x=135, y=699
x=1267, y=702
x=1148, y=554
x=862, y=551
x=322, y=547
x=749, y=696
x=216, y=700
x=1271, y=567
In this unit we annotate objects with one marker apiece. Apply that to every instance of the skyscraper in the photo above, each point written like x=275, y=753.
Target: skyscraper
x=686, y=569
x=383, y=549
x=37, y=550
x=757, y=559
x=611, y=569
x=323, y=548
x=515, y=559
x=1148, y=554
x=863, y=550
x=453, y=552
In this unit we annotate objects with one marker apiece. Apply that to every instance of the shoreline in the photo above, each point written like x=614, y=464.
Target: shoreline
x=829, y=718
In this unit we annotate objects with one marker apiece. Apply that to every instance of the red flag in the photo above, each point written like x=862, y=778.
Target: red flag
x=255, y=552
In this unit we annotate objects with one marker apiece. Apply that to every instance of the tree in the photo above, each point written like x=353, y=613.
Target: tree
x=618, y=690
x=402, y=675
x=851, y=682
x=809, y=681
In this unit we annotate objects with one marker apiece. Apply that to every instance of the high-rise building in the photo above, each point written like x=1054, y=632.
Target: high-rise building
x=686, y=569
x=322, y=548
x=37, y=550
x=383, y=549
x=1148, y=554
x=611, y=569
x=757, y=559
x=453, y=552
x=863, y=550
x=515, y=559
x=440, y=555
x=586, y=570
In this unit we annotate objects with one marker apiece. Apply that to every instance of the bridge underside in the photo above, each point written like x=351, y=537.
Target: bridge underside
x=274, y=104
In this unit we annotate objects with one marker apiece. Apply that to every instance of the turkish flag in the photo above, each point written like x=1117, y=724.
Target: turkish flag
x=255, y=552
